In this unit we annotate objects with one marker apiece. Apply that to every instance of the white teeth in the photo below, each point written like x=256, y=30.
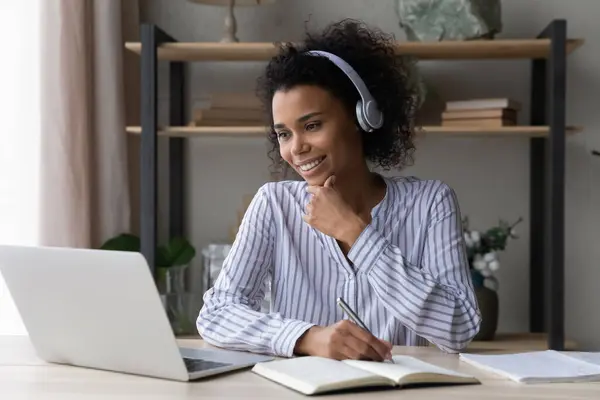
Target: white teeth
x=311, y=165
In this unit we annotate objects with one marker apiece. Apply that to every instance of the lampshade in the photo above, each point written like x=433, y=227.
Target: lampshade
x=230, y=22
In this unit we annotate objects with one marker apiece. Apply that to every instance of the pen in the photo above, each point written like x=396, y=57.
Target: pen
x=353, y=316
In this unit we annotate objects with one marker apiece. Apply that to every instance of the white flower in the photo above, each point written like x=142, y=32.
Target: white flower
x=475, y=236
x=489, y=257
x=513, y=233
x=479, y=265
x=468, y=240
x=494, y=265
x=485, y=272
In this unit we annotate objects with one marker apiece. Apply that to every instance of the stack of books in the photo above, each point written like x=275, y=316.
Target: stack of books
x=485, y=113
x=229, y=109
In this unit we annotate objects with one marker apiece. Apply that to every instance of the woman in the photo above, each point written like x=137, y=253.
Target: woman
x=392, y=248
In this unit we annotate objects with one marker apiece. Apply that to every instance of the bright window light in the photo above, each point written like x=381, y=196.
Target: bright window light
x=19, y=138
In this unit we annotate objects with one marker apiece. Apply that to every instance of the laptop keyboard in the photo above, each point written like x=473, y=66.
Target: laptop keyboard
x=197, y=365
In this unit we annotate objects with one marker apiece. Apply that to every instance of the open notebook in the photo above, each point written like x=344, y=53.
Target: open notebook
x=545, y=366
x=314, y=375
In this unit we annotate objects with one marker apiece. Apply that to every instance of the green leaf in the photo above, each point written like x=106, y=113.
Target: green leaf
x=162, y=257
x=122, y=242
x=178, y=252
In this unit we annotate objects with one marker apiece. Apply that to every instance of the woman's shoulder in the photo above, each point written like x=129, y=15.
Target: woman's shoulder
x=412, y=189
x=283, y=191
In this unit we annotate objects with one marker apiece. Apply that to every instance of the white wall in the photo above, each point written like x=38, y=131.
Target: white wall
x=490, y=175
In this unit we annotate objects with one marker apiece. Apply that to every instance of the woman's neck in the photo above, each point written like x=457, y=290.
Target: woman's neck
x=362, y=190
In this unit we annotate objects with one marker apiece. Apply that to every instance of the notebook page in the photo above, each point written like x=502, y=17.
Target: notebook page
x=403, y=365
x=316, y=374
x=537, y=366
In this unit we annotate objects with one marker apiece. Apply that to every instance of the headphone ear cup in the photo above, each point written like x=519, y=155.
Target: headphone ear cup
x=373, y=117
x=361, y=118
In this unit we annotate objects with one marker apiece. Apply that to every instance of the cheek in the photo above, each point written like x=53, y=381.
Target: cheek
x=284, y=152
x=339, y=143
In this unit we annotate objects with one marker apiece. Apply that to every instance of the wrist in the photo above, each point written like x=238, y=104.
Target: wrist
x=354, y=228
x=303, y=344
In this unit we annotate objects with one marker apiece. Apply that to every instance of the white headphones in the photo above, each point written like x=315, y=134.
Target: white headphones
x=367, y=112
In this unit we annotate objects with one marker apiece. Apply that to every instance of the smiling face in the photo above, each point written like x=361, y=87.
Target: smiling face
x=317, y=137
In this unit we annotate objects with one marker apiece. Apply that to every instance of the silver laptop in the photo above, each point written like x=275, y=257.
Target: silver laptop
x=101, y=309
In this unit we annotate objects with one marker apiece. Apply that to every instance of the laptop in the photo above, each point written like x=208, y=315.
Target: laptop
x=101, y=309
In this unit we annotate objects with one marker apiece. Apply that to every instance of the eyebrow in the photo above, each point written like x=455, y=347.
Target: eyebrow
x=301, y=119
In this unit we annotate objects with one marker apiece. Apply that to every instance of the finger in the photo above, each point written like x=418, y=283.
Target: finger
x=313, y=189
x=357, y=349
x=309, y=208
x=330, y=181
x=388, y=344
x=338, y=355
x=381, y=348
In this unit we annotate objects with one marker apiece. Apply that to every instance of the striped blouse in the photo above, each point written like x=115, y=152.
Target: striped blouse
x=406, y=275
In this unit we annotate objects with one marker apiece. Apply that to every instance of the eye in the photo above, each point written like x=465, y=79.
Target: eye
x=312, y=126
x=282, y=135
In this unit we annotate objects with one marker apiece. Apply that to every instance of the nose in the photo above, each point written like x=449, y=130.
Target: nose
x=299, y=145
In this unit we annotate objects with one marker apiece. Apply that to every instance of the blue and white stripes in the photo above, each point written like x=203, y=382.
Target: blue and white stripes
x=406, y=276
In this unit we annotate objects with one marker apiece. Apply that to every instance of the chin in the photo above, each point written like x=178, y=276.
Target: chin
x=316, y=180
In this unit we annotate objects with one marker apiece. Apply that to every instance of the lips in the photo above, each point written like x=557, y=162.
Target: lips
x=310, y=164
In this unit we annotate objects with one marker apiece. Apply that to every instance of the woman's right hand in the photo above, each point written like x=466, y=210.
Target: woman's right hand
x=341, y=341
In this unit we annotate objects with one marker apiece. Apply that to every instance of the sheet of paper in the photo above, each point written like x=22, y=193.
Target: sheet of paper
x=539, y=366
x=591, y=357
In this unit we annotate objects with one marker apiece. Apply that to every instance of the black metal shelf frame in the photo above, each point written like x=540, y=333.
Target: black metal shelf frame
x=547, y=170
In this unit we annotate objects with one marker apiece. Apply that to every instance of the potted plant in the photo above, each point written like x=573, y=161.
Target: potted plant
x=172, y=258
x=482, y=253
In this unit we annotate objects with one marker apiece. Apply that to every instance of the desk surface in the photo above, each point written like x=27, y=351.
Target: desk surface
x=24, y=375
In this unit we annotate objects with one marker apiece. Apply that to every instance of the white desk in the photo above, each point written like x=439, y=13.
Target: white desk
x=24, y=376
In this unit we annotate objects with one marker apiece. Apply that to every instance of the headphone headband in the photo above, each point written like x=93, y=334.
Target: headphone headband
x=367, y=111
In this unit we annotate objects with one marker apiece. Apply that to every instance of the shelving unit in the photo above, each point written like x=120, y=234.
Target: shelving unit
x=261, y=131
x=547, y=133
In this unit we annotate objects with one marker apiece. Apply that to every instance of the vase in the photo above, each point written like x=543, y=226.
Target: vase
x=171, y=279
x=181, y=305
x=488, y=306
x=436, y=20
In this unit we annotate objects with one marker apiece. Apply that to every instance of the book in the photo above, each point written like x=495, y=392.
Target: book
x=482, y=122
x=546, y=366
x=500, y=113
x=316, y=375
x=482, y=104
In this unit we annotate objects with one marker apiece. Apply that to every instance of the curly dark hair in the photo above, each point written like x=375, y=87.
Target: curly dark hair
x=371, y=53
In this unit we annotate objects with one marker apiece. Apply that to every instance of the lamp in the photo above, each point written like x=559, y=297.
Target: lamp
x=230, y=22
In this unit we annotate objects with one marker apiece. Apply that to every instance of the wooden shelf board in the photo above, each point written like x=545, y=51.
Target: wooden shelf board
x=519, y=130
x=448, y=50
x=198, y=131
x=260, y=131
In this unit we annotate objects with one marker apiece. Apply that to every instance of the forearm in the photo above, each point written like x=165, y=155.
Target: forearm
x=441, y=313
x=231, y=316
x=225, y=321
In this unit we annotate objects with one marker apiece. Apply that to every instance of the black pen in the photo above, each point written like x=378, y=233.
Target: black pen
x=353, y=316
